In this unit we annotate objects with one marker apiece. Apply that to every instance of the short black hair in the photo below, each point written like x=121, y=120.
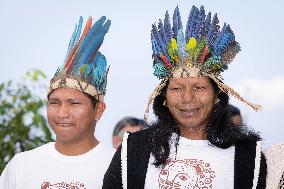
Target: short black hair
x=132, y=121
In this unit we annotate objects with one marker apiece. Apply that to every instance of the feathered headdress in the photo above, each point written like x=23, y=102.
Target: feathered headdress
x=84, y=67
x=204, y=50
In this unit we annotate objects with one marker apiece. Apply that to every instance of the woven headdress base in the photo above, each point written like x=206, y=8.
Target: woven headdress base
x=66, y=82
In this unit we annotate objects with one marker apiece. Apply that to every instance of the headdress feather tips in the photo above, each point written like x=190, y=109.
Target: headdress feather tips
x=203, y=45
x=83, y=62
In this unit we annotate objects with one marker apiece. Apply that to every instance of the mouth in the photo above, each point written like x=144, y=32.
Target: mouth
x=64, y=124
x=189, y=112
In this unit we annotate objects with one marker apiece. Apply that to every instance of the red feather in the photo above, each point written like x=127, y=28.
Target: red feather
x=74, y=50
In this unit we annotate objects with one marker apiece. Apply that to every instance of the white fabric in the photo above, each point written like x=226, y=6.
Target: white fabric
x=196, y=165
x=257, y=164
x=275, y=165
x=45, y=168
x=124, y=160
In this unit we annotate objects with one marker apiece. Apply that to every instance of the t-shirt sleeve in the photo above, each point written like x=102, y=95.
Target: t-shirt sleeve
x=8, y=176
x=112, y=178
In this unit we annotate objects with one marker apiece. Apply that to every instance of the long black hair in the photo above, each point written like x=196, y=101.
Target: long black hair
x=219, y=132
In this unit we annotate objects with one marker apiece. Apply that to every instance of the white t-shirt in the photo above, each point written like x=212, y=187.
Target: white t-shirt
x=45, y=168
x=196, y=165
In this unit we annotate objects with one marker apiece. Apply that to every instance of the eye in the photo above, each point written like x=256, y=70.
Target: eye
x=200, y=88
x=176, y=89
x=53, y=102
x=74, y=103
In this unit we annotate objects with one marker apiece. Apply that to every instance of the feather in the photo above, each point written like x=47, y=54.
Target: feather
x=162, y=32
x=167, y=26
x=160, y=70
x=99, y=71
x=224, y=29
x=94, y=44
x=199, y=29
x=224, y=44
x=155, y=47
x=189, y=24
x=181, y=44
x=86, y=30
x=86, y=41
x=194, y=23
x=177, y=24
x=74, y=43
x=229, y=54
x=213, y=31
x=159, y=40
x=207, y=23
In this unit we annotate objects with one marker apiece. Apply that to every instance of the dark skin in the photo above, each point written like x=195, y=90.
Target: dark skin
x=191, y=101
x=73, y=118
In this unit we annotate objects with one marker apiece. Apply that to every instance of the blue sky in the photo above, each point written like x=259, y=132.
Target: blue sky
x=35, y=34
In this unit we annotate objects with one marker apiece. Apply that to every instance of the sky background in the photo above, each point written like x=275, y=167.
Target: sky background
x=35, y=35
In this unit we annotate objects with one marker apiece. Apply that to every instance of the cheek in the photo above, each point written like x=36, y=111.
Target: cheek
x=51, y=113
x=83, y=115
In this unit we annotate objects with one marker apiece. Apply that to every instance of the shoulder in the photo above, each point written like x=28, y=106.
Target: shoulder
x=275, y=164
x=275, y=152
x=105, y=150
x=30, y=155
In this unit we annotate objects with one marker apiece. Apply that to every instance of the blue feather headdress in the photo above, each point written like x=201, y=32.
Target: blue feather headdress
x=204, y=50
x=84, y=67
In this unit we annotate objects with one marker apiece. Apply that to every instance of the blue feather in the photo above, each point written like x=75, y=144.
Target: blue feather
x=155, y=47
x=189, y=24
x=213, y=31
x=167, y=26
x=95, y=43
x=70, y=44
x=162, y=32
x=199, y=30
x=177, y=24
x=194, y=23
x=160, y=70
x=88, y=38
x=78, y=33
x=99, y=72
x=207, y=23
x=224, y=29
x=224, y=43
x=159, y=39
x=181, y=44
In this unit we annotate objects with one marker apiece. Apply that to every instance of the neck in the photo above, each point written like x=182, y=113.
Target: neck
x=193, y=133
x=75, y=148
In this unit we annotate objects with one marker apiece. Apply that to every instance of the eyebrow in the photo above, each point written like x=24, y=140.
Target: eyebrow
x=58, y=99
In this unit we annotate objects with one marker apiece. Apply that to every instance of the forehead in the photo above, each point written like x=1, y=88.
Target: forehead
x=190, y=81
x=62, y=93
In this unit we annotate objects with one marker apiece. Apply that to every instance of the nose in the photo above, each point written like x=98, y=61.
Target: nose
x=188, y=95
x=63, y=111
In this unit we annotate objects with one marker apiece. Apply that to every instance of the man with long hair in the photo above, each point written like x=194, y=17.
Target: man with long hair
x=192, y=144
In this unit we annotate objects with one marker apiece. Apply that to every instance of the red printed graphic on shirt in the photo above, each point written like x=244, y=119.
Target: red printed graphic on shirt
x=63, y=185
x=187, y=174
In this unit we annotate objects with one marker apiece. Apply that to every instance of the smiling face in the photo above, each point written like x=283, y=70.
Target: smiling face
x=72, y=115
x=190, y=101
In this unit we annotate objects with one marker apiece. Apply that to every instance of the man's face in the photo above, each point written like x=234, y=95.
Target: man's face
x=72, y=116
x=191, y=101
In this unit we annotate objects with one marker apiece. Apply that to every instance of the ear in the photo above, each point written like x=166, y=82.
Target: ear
x=116, y=141
x=100, y=108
